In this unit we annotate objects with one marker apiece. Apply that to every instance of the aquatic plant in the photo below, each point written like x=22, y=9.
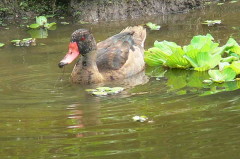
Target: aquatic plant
x=227, y=74
x=166, y=53
x=201, y=54
x=41, y=22
x=153, y=26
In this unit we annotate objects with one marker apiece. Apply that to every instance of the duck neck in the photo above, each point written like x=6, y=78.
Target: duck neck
x=86, y=70
x=89, y=60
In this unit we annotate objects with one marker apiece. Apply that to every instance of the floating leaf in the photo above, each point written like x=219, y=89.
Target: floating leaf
x=103, y=91
x=34, y=26
x=83, y=22
x=228, y=74
x=99, y=93
x=65, y=23
x=212, y=22
x=2, y=44
x=49, y=25
x=208, y=3
x=153, y=26
x=24, y=42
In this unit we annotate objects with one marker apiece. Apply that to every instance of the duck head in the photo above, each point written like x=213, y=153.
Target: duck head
x=81, y=42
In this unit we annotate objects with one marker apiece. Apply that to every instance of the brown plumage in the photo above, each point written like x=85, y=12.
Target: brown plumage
x=118, y=57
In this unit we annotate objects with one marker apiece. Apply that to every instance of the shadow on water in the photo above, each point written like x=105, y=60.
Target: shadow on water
x=44, y=115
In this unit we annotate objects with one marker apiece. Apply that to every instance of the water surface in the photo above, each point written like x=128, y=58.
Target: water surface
x=43, y=115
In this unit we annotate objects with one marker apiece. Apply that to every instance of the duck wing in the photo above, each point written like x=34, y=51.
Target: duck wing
x=113, y=52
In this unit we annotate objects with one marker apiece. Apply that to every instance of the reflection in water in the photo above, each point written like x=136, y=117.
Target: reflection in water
x=79, y=121
x=44, y=117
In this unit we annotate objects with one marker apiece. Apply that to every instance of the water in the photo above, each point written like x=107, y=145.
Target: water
x=43, y=115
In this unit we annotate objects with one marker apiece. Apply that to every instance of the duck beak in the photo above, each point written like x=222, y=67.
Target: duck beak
x=71, y=55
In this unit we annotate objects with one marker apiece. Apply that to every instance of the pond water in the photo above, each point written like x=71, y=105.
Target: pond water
x=43, y=115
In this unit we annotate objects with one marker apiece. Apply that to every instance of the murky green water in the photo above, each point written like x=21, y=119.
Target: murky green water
x=43, y=115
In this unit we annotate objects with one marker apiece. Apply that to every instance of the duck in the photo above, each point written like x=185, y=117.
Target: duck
x=116, y=58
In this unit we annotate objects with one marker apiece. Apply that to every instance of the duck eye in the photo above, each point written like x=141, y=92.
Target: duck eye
x=82, y=38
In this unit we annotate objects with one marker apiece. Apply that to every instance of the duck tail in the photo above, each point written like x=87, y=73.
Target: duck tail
x=139, y=34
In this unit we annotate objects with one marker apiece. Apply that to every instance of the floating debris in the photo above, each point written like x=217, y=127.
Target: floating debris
x=24, y=42
x=104, y=91
x=232, y=1
x=219, y=4
x=212, y=22
x=208, y=3
x=83, y=22
x=141, y=118
x=65, y=23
